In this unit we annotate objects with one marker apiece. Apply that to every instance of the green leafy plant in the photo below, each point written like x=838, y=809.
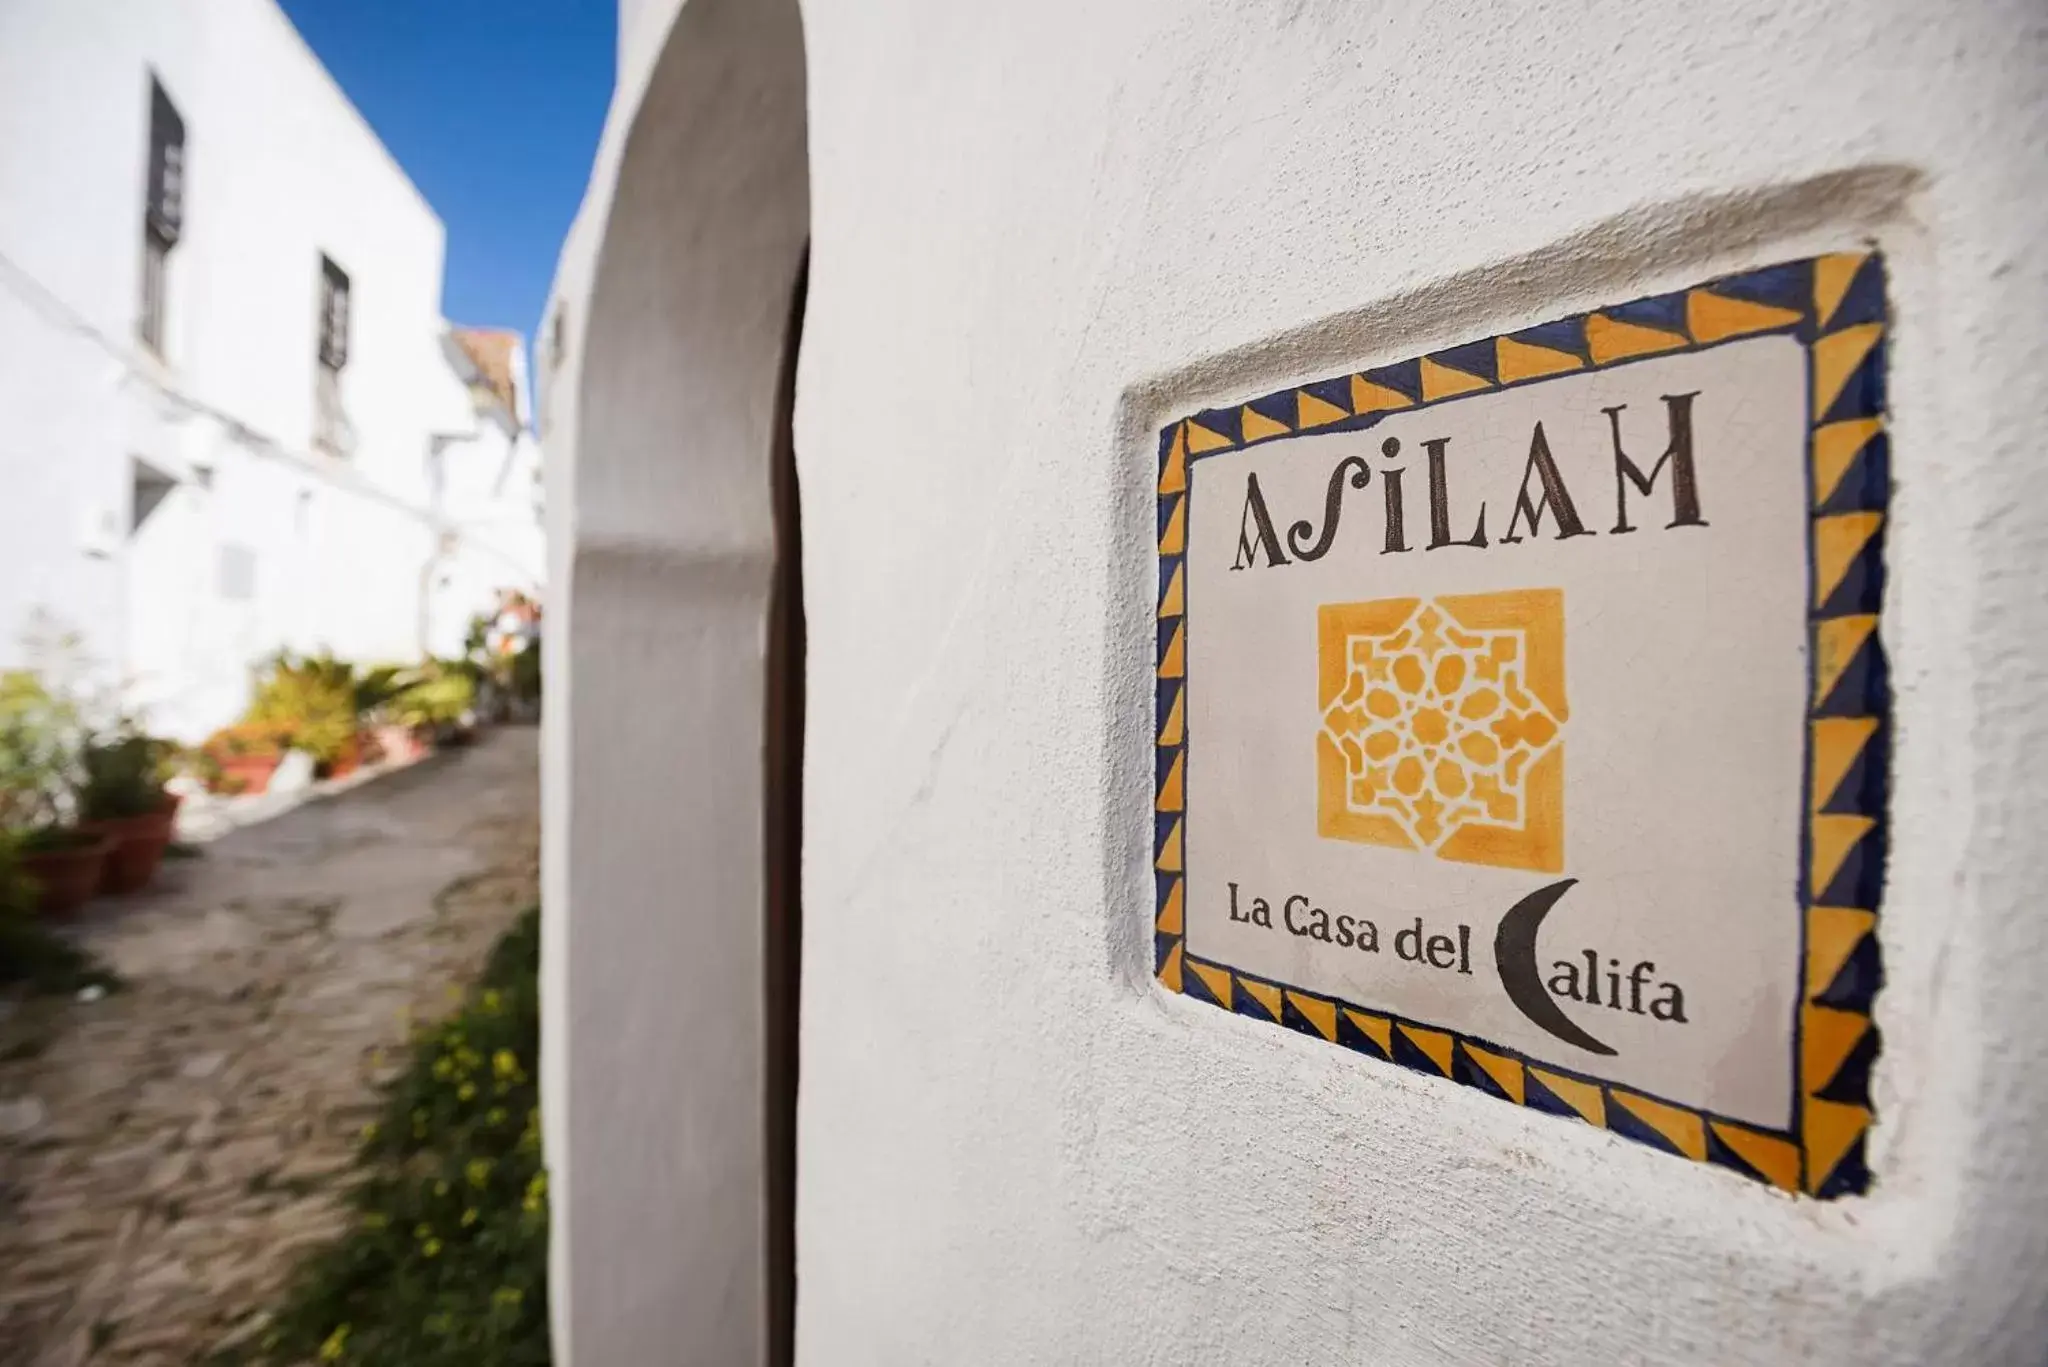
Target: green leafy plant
x=436, y=694
x=476, y=638
x=446, y=1263
x=377, y=685
x=526, y=674
x=39, y=745
x=124, y=771
x=506, y=666
x=312, y=700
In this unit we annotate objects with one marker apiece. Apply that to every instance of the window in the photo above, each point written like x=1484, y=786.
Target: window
x=331, y=432
x=333, y=315
x=163, y=212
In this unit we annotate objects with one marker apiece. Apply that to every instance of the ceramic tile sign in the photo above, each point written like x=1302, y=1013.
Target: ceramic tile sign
x=1522, y=717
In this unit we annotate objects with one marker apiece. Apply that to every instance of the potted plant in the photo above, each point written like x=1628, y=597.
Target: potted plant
x=65, y=864
x=312, y=699
x=241, y=758
x=436, y=700
x=301, y=703
x=38, y=768
x=31, y=955
x=388, y=738
x=122, y=796
x=351, y=756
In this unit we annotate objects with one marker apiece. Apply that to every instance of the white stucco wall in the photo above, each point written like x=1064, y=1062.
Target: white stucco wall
x=1038, y=232
x=280, y=169
x=661, y=556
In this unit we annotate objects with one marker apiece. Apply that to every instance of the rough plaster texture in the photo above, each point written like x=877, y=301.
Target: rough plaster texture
x=1039, y=231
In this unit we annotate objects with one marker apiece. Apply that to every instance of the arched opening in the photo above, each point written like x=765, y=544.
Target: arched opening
x=675, y=705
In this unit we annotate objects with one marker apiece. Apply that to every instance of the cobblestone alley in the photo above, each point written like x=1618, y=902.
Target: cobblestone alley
x=166, y=1150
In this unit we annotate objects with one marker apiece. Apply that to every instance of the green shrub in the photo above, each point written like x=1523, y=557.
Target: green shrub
x=312, y=699
x=526, y=674
x=39, y=733
x=436, y=694
x=377, y=685
x=446, y=1265
x=124, y=773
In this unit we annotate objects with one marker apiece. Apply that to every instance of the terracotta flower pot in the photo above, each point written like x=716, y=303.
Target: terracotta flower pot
x=246, y=773
x=66, y=875
x=139, y=843
x=347, y=762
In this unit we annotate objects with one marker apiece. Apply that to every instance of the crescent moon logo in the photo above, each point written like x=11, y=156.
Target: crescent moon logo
x=1514, y=955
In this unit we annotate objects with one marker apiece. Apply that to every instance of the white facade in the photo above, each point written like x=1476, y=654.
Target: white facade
x=175, y=508
x=1037, y=233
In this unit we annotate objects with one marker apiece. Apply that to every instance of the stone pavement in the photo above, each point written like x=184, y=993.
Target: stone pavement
x=168, y=1150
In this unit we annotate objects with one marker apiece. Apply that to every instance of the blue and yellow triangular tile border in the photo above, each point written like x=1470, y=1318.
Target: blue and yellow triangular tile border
x=1835, y=306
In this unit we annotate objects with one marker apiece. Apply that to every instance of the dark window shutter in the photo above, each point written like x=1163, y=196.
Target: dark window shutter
x=333, y=315
x=165, y=209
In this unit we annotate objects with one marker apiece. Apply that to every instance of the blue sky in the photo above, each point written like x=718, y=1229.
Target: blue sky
x=494, y=110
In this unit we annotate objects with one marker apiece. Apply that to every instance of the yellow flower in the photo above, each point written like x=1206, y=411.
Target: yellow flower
x=370, y=1131
x=505, y=1063
x=493, y=1003
x=441, y=1188
x=336, y=1344
x=468, y=1218
x=422, y=1231
x=478, y=1170
x=508, y=1295
x=431, y=1248
x=466, y=1091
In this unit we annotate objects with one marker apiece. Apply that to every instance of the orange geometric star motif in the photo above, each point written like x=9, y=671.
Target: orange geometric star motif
x=1443, y=726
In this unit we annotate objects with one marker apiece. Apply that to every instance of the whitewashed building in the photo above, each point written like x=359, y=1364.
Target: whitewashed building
x=235, y=418
x=1075, y=267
